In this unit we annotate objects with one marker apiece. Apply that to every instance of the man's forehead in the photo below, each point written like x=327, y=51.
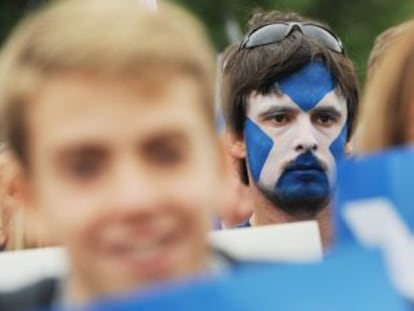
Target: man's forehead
x=307, y=86
x=258, y=103
x=310, y=87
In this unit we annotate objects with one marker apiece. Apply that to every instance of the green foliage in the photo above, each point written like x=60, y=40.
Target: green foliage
x=9, y=14
x=356, y=22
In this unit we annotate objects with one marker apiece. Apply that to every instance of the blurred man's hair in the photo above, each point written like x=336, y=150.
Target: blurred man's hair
x=115, y=37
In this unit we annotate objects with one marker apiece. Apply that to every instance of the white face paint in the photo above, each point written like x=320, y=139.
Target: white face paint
x=293, y=130
x=293, y=137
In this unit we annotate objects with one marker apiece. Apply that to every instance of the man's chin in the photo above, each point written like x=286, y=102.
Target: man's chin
x=303, y=206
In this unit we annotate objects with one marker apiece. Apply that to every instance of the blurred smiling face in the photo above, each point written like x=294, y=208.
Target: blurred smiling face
x=125, y=172
x=293, y=138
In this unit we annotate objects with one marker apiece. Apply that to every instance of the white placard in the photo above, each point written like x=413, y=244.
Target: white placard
x=297, y=242
x=20, y=268
x=286, y=242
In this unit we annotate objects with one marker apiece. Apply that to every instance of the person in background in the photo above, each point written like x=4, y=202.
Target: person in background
x=387, y=109
x=290, y=96
x=382, y=44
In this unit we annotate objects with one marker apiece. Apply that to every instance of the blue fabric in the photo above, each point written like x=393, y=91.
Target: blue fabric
x=385, y=175
x=353, y=279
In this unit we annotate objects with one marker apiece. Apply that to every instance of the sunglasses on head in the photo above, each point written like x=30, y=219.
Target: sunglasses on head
x=275, y=32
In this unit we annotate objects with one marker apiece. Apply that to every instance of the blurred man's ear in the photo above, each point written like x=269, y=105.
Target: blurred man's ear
x=234, y=144
x=20, y=191
x=21, y=198
x=11, y=196
x=34, y=232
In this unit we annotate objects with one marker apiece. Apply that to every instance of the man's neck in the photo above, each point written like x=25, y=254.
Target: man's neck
x=266, y=213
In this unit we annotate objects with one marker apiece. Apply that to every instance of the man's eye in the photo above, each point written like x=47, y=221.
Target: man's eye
x=325, y=120
x=280, y=119
x=166, y=156
x=84, y=168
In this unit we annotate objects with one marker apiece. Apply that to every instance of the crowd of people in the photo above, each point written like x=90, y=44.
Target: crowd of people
x=110, y=150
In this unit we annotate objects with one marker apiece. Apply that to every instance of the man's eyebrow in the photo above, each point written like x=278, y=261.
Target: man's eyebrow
x=170, y=137
x=80, y=149
x=327, y=109
x=275, y=110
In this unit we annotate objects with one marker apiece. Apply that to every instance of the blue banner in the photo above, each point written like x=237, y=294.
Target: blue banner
x=375, y=209
x=354, y=279
x=385, y=180
x=369, y=270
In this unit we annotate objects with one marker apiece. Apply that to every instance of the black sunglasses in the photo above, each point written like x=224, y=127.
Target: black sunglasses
x=275, y=32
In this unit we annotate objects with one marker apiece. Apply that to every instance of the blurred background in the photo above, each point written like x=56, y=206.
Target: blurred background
x=357, y=22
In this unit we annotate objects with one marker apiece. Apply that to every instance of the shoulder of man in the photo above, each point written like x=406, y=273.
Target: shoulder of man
x=37, y=295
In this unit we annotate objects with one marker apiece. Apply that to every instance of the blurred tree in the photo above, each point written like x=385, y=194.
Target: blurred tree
x=356, y=22
x=11, y=11
x=359, y=22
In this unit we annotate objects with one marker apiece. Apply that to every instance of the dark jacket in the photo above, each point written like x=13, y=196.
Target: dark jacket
x=32, y=297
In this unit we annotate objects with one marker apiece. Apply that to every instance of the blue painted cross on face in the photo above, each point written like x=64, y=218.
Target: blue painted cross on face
x=293, y=137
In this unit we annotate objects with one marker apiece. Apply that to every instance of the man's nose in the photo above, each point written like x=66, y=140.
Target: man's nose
x=133, y=188
x=305, y=139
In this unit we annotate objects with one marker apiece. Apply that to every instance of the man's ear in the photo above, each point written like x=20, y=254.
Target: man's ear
x=21, y=194
x=349, y=148
x=234, y=144
x=34, y=226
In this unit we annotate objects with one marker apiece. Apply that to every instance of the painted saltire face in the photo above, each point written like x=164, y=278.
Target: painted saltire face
x=293, y=138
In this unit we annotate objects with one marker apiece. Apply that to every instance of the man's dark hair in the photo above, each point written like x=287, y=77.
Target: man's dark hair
x=256, y=69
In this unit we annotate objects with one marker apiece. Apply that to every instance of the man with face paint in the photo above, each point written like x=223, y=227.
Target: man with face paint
x=290, y=95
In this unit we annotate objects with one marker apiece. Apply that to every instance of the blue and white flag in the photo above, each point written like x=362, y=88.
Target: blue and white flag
x=375, y=209
x=352, y=280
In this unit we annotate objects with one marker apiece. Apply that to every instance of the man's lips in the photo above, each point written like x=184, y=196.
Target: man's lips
x=145, y=257
x=141, y=243
x=305, y=162
x=304, y=167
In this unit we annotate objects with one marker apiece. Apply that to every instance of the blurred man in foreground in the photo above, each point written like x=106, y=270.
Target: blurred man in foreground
x=108, y=107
